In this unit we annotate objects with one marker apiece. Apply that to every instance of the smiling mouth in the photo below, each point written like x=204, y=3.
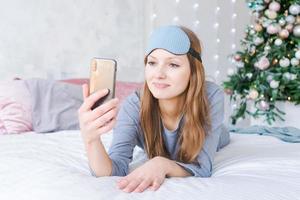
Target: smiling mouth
x=161, y=85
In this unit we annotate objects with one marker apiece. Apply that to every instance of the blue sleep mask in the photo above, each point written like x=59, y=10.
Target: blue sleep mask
x=173, y=39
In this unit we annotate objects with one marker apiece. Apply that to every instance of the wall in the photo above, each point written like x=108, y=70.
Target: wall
x=57, y=38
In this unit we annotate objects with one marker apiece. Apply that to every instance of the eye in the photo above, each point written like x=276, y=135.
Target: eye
x=150, y=63
x=173, y=65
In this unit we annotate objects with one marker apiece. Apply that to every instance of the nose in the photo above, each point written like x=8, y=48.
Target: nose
x=160, y=72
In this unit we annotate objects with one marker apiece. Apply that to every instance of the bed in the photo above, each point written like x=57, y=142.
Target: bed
x=54, y=166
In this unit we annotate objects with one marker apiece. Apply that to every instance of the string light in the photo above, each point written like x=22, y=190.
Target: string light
x=196, y=5
x=217, y=74
x=196, y=23
x=153, y=17
x=233, y=29
x=216, y=26
x=175, y=19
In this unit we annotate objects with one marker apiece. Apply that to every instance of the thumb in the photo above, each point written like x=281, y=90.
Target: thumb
x=85, y=91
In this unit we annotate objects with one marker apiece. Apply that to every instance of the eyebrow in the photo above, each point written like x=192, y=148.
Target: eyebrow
x=166, y=58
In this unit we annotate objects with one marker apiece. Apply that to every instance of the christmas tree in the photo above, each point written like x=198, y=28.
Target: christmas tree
x=267, y=66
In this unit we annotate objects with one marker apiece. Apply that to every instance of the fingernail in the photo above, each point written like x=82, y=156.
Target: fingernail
x=126, y=190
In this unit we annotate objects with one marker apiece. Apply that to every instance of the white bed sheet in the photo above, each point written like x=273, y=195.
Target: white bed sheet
x=54, y=166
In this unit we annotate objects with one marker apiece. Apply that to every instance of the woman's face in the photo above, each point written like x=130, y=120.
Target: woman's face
x=167, y=75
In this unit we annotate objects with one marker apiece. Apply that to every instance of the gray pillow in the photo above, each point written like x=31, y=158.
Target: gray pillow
x=54, y=105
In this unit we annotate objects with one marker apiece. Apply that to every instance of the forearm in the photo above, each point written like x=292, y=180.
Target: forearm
x=99, y=160
x=171, y=168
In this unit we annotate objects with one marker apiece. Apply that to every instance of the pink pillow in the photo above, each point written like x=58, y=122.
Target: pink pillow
x=15, y=103
x=15, y=107
x=77, y=81
x=123, y=89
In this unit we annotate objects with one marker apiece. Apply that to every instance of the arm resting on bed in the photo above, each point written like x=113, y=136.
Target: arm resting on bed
x=171, y=168
x=99, y=161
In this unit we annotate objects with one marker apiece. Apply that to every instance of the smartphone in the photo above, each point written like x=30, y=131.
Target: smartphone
x=103, y=76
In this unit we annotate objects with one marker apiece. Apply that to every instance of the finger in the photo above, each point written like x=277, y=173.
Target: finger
x=132, y=185
x=97, y=113
x=104, y=119
x=155, y=185
x=92, y=99
x=106, y=128
x=104, y=108
x=143, y=186
x=85, y=91
x=122, y=183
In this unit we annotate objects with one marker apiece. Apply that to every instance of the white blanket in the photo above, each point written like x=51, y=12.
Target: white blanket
x=54, y=166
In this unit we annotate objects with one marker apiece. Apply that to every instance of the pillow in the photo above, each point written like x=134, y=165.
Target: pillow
x=54, y=105
x=43, y=106
x=123, y=89
x=15, y=107
x=76, y=81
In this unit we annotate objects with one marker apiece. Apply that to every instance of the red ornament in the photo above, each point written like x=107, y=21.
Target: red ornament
x=289, y=27
x=237, y=57
x=228, y=91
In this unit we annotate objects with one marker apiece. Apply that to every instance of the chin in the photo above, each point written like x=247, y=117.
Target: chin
x=161, y=94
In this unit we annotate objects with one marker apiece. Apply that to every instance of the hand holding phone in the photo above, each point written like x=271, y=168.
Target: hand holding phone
x=102, y=119
x=103, y=76
x=99, y=121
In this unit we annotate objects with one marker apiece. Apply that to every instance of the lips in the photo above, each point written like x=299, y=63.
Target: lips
x=161, y=85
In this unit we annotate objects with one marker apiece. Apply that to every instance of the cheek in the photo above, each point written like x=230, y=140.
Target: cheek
x=148, y=77
x=147, y=74
x=182, y=78
x=187, y=79
x=181, y=81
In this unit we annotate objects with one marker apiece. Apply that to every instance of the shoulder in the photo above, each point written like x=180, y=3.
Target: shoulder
x=132, y=100
x=130, y=106
x=214, y=92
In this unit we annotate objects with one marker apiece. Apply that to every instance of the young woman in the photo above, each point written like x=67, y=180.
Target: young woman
x=177, y=118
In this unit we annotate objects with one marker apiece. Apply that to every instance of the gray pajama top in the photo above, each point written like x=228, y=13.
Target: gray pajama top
x=127, y=133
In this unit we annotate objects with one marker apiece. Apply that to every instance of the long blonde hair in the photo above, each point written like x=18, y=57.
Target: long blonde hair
x=195, y=110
